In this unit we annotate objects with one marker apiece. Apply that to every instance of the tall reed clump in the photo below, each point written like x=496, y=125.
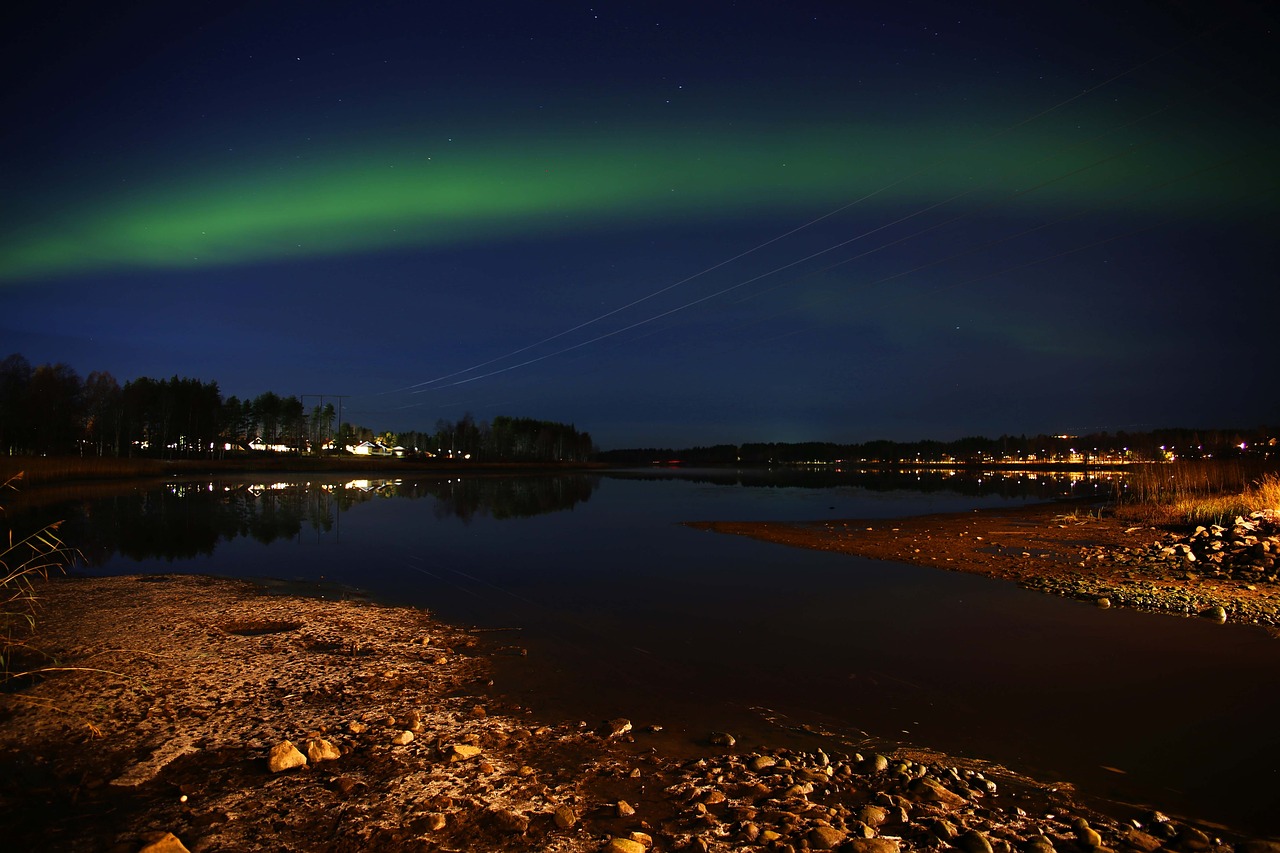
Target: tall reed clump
x=1199, y=491
x=22, y=563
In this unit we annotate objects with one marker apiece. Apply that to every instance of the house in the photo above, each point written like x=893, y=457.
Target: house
x=259, y=444
x=369, y=448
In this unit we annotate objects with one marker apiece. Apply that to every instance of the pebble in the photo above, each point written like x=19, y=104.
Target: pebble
x=402, y=738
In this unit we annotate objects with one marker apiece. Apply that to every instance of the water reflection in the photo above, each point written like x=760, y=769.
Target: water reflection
x=180, y=521
x=1030, y=484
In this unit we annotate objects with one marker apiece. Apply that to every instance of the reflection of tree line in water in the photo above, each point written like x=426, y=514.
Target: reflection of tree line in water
x=189, y=520
x=1011, y=485
x=184, y=521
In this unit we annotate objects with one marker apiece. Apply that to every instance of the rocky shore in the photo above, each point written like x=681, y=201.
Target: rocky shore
x=188, y=713
x=1226, y=573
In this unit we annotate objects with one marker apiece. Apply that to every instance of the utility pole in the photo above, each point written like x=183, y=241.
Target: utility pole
x=340, y=398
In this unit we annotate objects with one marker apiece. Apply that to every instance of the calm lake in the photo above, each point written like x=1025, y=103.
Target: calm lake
x=626, y=612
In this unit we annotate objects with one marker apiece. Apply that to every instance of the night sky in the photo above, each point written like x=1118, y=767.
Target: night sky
x=667, y=223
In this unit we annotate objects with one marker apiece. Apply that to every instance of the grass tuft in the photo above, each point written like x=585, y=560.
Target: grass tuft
x=23, y=562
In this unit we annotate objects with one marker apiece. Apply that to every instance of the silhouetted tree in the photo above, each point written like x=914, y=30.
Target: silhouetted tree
x=15, y=416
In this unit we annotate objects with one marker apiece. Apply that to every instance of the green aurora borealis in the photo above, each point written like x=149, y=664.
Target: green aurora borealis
x=420, y=194
x=668, y=223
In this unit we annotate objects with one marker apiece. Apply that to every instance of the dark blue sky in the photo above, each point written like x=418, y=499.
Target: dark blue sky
x=666, y=223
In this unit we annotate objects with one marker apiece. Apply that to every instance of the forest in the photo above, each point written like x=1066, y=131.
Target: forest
x=49, y=409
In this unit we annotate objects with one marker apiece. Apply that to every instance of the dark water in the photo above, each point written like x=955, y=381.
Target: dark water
x=626, y=612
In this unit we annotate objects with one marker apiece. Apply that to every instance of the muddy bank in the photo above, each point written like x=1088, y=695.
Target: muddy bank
x=1074, y=550
x=177, y=696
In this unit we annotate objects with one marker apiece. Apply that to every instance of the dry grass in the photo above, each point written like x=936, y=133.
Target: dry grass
x=22, y=563
x=45, y=469
x=1199, y=492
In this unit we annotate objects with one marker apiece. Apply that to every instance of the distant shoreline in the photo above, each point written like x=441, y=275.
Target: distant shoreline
x=38, y=470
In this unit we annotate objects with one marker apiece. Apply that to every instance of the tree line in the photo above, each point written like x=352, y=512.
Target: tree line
x=49, y=409
x=1155, y=445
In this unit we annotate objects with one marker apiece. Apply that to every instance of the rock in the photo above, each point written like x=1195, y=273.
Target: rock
x=872, y=815
x=642, y=838
x=1139, y=840
x=1085, y=834
x=1103, y=602
x=463, y=752
x=614, y=728
x=285, y=756
x=1218, y=614
x=623, y=845
x=930, y=791
x=1038, y=844
x=403, y=738
x=319, y=749
x=1190, y=838
x=722, y=739
x=625, y=809
x=761, y=762
x=877, y=763
x=436, y=821
x=509, y=821
x=345, y=785
x=803, y=789
x=973, y=841
x=565, y=817
x=943, y=828
x=872, y=845
x=357, y=728
x=162, y=842
x=825, y=838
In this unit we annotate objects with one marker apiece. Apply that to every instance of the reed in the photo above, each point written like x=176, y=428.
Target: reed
x=23, y=562
x=1199, y=491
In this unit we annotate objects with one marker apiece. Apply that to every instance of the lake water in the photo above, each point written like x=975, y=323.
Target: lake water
x=626, y=612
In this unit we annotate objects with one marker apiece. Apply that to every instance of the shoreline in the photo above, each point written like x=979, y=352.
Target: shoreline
x=182, y=685
x=1062, y=548
x=53, y=470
